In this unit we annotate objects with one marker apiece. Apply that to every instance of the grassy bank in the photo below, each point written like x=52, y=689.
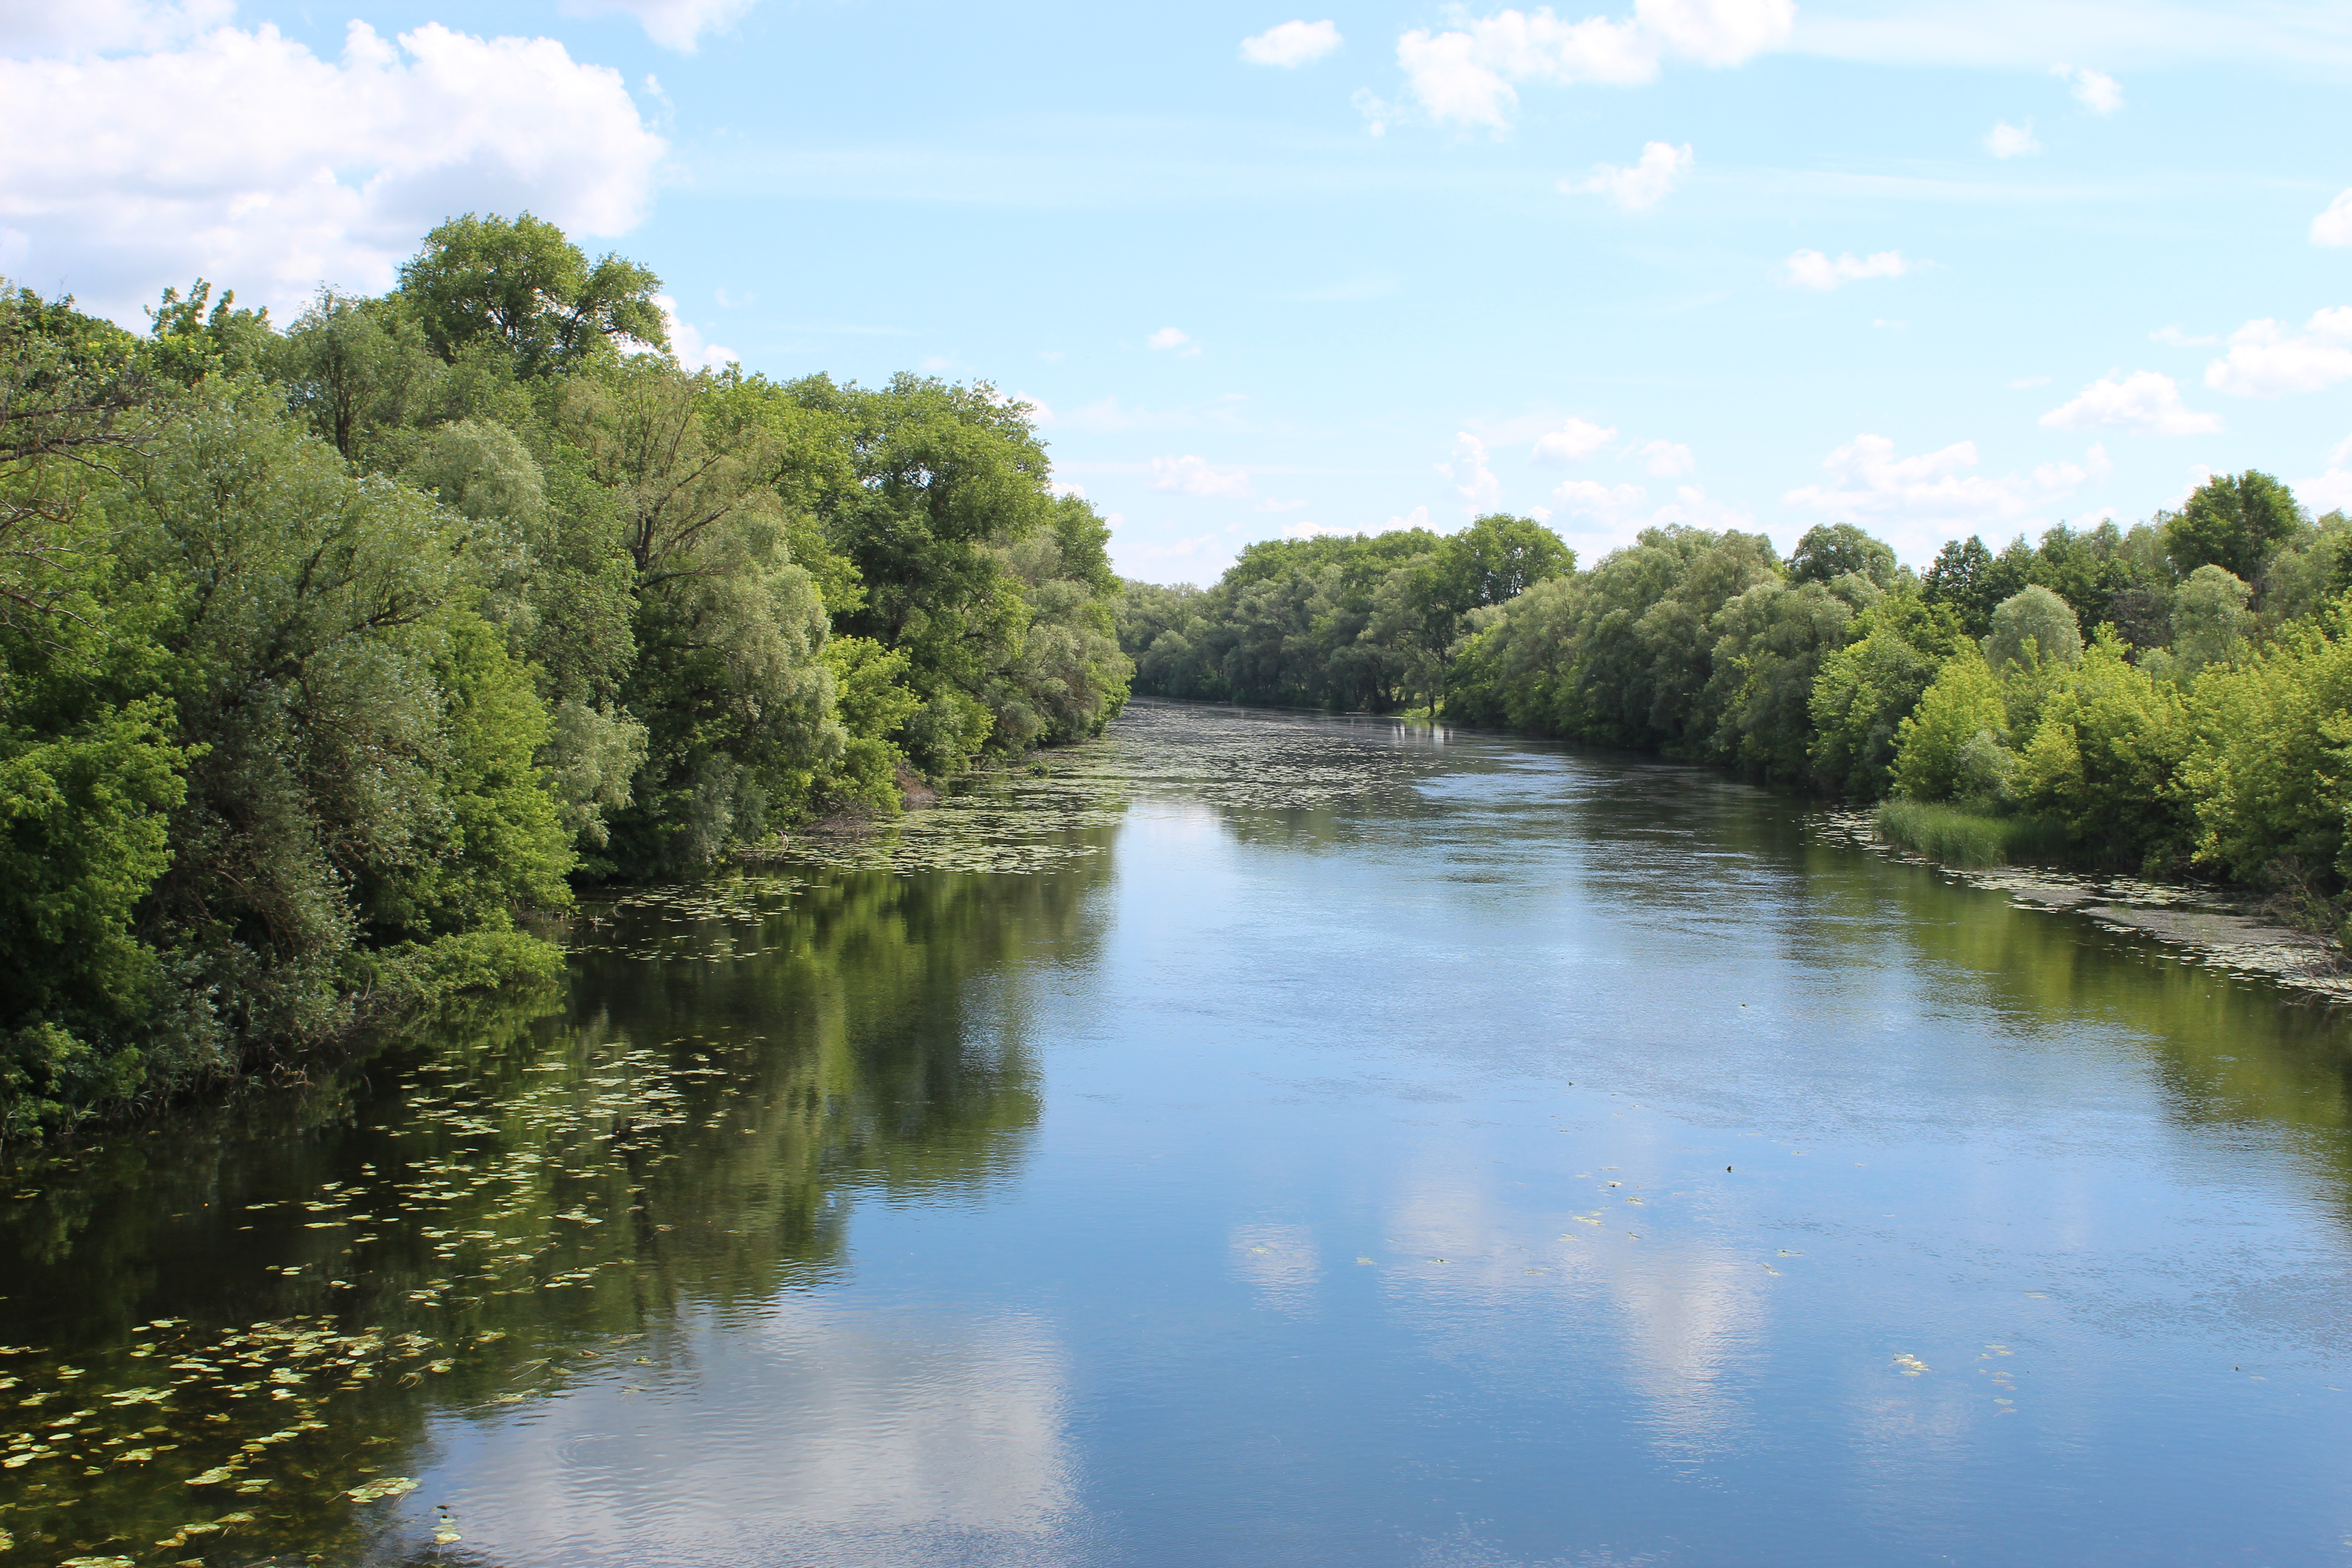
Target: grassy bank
x=1962, y=836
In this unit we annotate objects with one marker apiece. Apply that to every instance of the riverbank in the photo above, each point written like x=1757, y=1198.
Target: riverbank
x=2225, y=927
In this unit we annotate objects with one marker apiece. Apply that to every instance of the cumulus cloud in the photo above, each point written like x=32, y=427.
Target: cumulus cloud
x=2266, y=360
x=1195, y=476
x=1667, y=458
x=2333, y=227
x=686, y=342
x=1576, y=439
x=2007, y=141
x=1870, y=483
x=1291, y=44
x=242, y=156
x=1473, y=479
x=2147, y=401
x=2330, y=491
x=1467, y=74
x=673, y=24
x=2173, y=337
x=1811, y=269
x=1609, y=505
x=1641, y=185
x=1176, y=339
x=29, y=27
x=2095, y=90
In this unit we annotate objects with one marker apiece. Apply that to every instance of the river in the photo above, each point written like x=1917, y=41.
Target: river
x=1250, y=1138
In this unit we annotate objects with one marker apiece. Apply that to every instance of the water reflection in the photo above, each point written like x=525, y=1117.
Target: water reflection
x=491, y=1213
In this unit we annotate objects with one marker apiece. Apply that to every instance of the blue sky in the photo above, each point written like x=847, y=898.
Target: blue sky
x=1934, y=269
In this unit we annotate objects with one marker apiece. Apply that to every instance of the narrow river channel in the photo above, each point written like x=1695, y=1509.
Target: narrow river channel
x=1251, y=1139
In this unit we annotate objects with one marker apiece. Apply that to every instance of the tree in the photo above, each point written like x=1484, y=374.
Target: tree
x=2234, y=522
x=1931, y=745
x=522, y=285
x=1831, y=550
x=2033, y=627
x=1961, y=577
x=1498, y=557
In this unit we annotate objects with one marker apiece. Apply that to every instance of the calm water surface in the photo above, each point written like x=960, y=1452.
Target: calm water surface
x=1254, y=1139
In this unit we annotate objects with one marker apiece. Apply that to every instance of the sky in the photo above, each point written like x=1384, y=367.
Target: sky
x=1934, y=268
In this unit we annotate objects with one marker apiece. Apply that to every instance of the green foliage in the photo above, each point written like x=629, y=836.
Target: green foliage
x=1965, y=701
x=2105, y=755
x=1835, y=550
x=2209, y=619
x=1960, y=836
x=2031, y=628
x=2235, y=521
x=323, y=656
x=523, y=286
x=1866, y=689
x=2270, y=757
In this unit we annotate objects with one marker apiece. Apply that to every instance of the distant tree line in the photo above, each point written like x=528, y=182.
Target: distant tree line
x=2175, y=697
x=325, y=652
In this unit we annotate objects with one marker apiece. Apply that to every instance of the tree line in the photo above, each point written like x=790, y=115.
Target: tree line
x=2175, y=697
x=328, y=651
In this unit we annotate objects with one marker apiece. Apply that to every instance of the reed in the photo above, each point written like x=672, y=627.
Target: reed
x=1968, y=835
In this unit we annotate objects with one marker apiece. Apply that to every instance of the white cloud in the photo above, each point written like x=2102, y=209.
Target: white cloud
x=2197, y=474
x=1668, y=459
x=1473, y=479
x=1064, y=488
x=1465, y=75
x=1291, y=44
x=1319, y=530
x=2023, y=382
x=1641, y=185
x=1811, y=269
x=1175, y=338
x=1870, y=484
x=2147, y=401
x=2265, y=359
x=2342, y=454
x=1576, y=440
x=1692, y=506
x=2095, y=90
x=688, y=344
x=673, y=24
x=1195, y=476
x=2007, y=141
x=2173, y=337
x=1040, y=412
x=2333, y=227
x=80, y=26
x=2330, y=491
x=1609, y=505
x=246, y=158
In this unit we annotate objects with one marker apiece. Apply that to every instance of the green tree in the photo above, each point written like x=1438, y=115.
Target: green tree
x=2234, y=522
x=522, y=284
x=1964, y=703
x=2105, y=757
x=1832, y=550
x=2031, y=628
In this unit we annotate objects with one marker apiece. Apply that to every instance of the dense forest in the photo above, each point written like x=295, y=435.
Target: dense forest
x=2173, y=697
x=326, y=652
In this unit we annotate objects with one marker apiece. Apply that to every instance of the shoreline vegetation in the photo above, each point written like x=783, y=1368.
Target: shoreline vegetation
x=2173, y=700
x=333, y=656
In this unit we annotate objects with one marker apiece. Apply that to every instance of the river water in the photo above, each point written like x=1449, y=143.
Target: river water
x=1251, y=1139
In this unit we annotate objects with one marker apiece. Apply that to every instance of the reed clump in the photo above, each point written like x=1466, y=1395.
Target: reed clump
x=1969, y=836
